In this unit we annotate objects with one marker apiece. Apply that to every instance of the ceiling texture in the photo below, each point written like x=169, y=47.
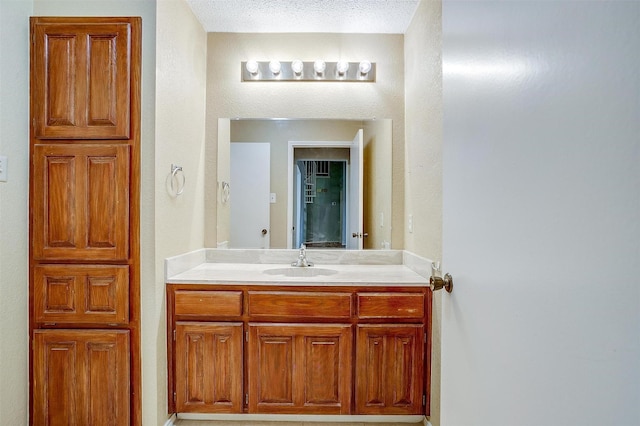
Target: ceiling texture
x=305, y=16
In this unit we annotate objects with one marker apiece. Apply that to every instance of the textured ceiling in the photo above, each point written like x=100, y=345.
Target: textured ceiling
x=306, y=16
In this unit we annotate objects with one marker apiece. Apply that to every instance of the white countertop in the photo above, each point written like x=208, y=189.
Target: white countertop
x=285, y=274
x=273, y=267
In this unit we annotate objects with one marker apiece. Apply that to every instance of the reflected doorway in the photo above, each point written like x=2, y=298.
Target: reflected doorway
x=320, y=202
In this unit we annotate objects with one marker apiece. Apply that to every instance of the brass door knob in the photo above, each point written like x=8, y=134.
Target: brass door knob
x=436, y=283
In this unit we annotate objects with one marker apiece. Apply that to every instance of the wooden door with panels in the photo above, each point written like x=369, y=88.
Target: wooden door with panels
x=82, y=77
x=84, y=220
x=389, y=369
x=209, y=367
x=299, y=368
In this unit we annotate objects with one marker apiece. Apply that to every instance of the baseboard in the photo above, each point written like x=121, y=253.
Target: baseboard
x=283, y=418
x=171, y=420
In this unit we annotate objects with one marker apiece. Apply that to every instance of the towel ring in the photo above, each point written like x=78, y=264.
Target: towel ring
x=177, y=186
x=224, y=195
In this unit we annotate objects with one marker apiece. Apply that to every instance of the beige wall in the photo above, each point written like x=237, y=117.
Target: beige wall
x=14, y=246
x=423, y=156
x=227, y=96
x=378, y=184
x=179, y=220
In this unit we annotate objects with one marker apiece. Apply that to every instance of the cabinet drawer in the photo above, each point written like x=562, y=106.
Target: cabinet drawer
x=390, y=305
x=299, y=304
x=192, y=303
x=81, y=294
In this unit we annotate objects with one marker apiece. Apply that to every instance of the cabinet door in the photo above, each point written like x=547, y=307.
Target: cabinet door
x=81, y=79
x=208, y=367
x=300, y=368
x=389, y=369
x=80, y=202
x=81, y=377
x=96, y=294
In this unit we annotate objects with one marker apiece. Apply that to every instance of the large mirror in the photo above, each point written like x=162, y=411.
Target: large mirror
x=322, y=182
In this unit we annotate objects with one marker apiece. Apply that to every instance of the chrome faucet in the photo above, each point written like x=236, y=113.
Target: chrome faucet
x=302, y=258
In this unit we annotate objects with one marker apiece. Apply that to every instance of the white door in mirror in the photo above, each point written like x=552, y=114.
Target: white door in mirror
x=250, y=195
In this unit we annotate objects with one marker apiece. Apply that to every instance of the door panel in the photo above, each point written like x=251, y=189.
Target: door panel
x=81, y=85
x=389, y=369
x=299, y=369
x=275, y=366
x=81, y=294
x=81, y=202
x=209, y=367
x=72, y=367
x=322, y=370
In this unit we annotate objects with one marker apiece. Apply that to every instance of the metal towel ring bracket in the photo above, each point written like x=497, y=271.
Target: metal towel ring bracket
x=177, y=187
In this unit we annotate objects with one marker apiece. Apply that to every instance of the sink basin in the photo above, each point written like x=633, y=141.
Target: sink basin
x=300, y=272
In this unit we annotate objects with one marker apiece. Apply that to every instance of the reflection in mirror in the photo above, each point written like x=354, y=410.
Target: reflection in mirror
x=288, y=142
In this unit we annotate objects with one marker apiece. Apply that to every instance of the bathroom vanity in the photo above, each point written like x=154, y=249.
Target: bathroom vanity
x=268, y=338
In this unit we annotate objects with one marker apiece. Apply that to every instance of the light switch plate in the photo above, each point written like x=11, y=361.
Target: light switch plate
x=3, y=168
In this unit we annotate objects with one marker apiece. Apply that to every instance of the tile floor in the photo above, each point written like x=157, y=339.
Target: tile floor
x=272, y=423
x=183, y=422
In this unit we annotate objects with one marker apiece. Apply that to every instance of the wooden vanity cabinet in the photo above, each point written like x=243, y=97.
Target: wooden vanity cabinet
x=298, y=350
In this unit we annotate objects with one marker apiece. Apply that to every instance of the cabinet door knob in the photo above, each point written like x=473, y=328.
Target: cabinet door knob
x=264, y=232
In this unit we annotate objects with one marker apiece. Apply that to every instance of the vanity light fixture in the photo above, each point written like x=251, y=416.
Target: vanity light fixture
x=275, y=67
x=364, y=67
x=319, y=66
x=299, y=71
x=252, y=67
x=297, y=66
x=342, y=67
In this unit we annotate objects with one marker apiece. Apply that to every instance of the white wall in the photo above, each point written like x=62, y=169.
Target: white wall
x=541, y=201
x=14, y=255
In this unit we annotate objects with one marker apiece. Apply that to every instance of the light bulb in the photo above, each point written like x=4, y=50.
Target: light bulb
x=365, y=67
x=275, y=67
x=252, y=67
x=319, y=66
x=342, y=67
x=297, y=66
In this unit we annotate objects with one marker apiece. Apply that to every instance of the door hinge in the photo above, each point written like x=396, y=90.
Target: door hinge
x=175, y=397
x=424, y=400
x=246, y=399
x=246, y=336
x=425, y=338
x=174, y=335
